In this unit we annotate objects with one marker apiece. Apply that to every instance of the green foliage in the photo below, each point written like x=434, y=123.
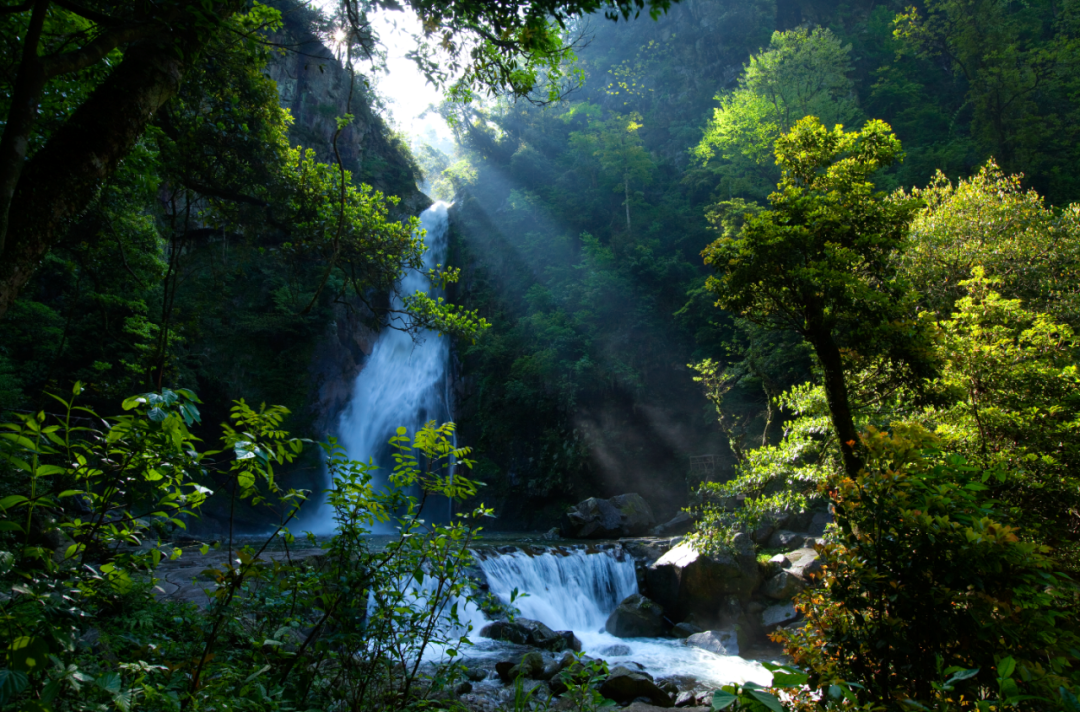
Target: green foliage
x=990, y=221
x=275, y=626
x=921, y=540
x=802, y=73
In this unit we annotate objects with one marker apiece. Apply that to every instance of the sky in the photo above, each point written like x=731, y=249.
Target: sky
x=405, y=89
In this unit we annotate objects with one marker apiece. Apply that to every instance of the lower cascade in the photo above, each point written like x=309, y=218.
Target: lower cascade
x=576, y=589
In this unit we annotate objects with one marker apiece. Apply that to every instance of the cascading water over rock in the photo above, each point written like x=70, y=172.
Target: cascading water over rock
x=405, y=381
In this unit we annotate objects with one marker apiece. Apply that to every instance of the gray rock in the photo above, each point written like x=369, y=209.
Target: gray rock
x=778, y=615
x=686, y=699
x=524, y=631
x=552, y=534
x=624, y=515
x=804, y=563
x=685, y=629
x=635, y=514
x=475, y=674
x=786, y=540
x=636, y=617
x=463, y=688
x=685, y=581
x=615, y=651
x=530, y=667
x=781, y=561
x=721, y=642
x=681, y=523
x=783, y=586
x=624, y=684
x=763, y=531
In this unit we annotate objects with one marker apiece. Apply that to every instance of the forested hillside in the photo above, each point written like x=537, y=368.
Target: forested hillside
x=581, y=223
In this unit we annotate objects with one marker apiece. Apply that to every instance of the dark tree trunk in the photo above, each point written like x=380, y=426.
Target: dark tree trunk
x=61, y=180
x=836, y=393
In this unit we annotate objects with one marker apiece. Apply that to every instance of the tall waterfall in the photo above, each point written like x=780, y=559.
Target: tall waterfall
x=405, y=381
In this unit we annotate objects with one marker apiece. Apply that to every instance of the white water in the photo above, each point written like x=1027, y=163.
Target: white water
x=404, y=381
x=579, y=591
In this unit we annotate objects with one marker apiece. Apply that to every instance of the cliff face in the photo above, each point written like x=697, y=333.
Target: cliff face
x=314, y=86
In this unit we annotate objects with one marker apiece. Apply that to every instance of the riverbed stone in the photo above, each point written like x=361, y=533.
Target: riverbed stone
x=721, y=642
x=624, y=684
x=782, y=586
x=615, y=651
x=685, y=629
x=524, y=631
x=686, y=582
x=804, y=562
x=636, y=617
x=786, y=540
x=775, y=616
x=635, y=514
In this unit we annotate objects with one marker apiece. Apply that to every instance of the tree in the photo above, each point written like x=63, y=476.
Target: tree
x=821, y=261
x=127, y=63
x=802, y=73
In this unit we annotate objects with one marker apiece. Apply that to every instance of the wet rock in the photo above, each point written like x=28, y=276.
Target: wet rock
x=624, y=515
x=552, y=534
x=804, y=563
x=524, y=631
x=775, y=616
x=636, y=617
x=721, y=642
x=624, y=684
x=685, y=629
x=615, y=651
x=463, y=689
x=786, y=540
x=571, y=641
x=475, y=674
x=686, y=699
x=681, y=523
x=685, y=581
x=530, y=667
x=783, y=586
x=669, y=687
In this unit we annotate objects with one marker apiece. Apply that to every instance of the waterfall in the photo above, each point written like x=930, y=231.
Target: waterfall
x=404, y=382
x=574, y=591
x=577, y=589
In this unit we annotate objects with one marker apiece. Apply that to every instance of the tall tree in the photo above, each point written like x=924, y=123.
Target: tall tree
x=820, y=262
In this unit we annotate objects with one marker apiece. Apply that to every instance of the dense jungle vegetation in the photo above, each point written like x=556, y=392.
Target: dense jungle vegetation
x=836, y=245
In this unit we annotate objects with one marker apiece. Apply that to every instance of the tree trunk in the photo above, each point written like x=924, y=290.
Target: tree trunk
x=61, y=180
x=836, y=394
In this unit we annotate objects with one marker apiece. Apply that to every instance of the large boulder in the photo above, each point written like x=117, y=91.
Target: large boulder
x=685, y=581
x=636, y=617
x=721, y=642
x=624, y=515
x=782, y=586
x=624, y=684
x=804, y=563
x=524, y=631
x=786, y=540
x=775, y=616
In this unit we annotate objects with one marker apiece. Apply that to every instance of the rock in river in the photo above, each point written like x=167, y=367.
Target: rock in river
x=636, y=617
x=624, y=515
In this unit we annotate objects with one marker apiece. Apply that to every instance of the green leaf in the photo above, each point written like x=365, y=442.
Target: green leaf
x=28, y=654
x=11, y=500
x=1005, y=667
x=12, y=682
x=7, y=526
x=768, y=700
x=722, y=700
x=157, y=414
x=962, y=675
x=1068, y=700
